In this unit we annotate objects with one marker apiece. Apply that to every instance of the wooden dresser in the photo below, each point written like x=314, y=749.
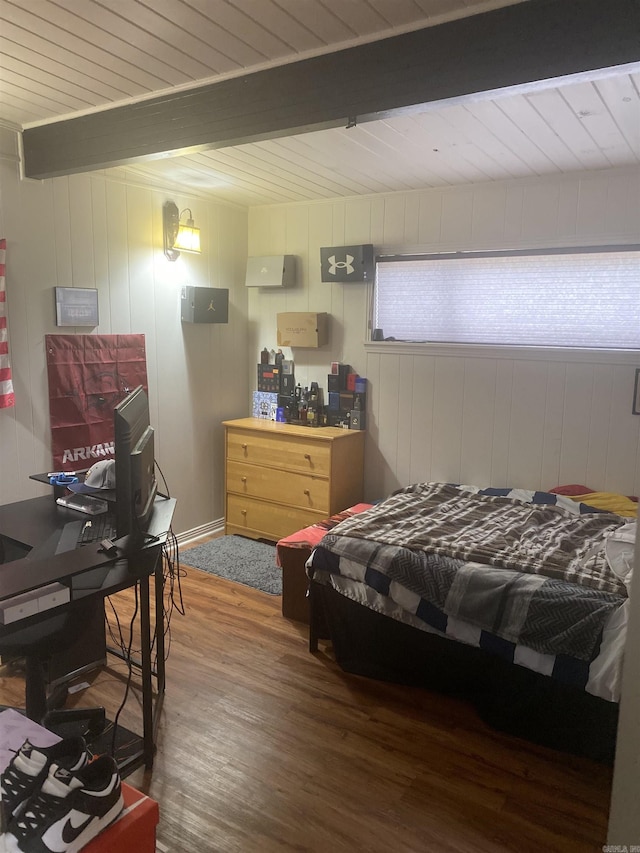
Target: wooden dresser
x=281, y=477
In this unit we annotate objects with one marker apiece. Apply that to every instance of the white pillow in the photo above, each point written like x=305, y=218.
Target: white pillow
x=619, y=549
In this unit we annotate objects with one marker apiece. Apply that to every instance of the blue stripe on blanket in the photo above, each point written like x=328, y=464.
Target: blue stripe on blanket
x=497, y=646
x=537, y=497
x=325, y=561
x=379, y=581
x=432, y=615
x=544, y=498
x=571, y=671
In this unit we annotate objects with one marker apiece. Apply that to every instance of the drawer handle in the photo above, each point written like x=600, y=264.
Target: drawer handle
x=244, y=479
x=307, y=456
x=243, y=511
x=307, y=492
x=244, y=447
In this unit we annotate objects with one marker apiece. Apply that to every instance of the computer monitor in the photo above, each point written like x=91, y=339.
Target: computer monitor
x=136, y=485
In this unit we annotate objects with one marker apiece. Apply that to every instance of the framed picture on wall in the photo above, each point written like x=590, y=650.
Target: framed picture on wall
x=76, y=306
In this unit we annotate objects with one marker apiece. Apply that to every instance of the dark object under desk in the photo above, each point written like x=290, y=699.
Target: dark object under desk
x=30, y=524
x=29, y=527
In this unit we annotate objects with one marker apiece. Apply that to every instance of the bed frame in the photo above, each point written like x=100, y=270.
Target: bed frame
x=508, y=697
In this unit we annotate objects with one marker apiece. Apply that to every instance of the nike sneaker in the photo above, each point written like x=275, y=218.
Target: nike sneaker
x=29, y=767
x=69, y=810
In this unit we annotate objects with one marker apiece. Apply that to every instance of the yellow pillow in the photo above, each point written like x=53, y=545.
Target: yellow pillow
x=610, y=502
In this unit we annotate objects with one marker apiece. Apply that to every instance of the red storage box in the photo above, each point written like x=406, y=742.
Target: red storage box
x=133, y=832
x=135, y=829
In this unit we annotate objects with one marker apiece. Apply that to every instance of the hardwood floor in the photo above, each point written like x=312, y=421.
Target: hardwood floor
x=264, y=747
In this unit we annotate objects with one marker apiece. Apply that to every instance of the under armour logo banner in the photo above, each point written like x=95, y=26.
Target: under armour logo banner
x=346, y=263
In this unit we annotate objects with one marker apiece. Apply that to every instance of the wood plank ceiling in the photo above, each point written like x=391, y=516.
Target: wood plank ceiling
x=63, y=58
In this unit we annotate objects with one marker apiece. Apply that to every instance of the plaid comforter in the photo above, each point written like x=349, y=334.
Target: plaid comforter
x=532, y=532
x=528, y=567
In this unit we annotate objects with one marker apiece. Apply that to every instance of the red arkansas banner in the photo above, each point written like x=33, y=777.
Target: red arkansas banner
x=7, y=397
x=88, y=375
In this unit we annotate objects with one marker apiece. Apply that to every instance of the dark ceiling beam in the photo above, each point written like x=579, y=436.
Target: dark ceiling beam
x=515, y=45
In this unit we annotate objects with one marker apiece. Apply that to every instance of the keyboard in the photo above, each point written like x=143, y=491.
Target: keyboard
x=100, y=527
x=75, y=534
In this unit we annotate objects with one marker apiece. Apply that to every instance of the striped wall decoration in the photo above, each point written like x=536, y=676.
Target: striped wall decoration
x=7, y=397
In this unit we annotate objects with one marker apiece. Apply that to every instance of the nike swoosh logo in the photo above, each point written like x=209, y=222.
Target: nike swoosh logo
x=71, y=832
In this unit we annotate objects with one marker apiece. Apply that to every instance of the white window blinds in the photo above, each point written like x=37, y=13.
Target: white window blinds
x=570, y=298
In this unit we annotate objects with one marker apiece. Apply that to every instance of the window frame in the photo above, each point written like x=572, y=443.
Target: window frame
x=506, y=350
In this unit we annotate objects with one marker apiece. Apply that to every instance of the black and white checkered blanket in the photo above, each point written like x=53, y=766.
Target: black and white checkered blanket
x=525, y=566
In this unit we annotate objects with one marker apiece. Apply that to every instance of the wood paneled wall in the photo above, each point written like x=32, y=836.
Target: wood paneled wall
x=499, y=417
x=102, y=231
x=484, y=416
x=501, y=421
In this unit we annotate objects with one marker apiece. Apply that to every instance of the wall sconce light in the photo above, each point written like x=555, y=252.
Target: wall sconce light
x=178, y=236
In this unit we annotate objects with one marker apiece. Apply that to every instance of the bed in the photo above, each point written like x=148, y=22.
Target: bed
x=514, y=599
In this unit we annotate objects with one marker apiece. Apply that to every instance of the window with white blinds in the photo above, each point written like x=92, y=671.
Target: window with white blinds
x=566, y=298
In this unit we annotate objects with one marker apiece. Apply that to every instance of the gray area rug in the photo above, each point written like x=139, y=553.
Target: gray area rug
x=238, y=559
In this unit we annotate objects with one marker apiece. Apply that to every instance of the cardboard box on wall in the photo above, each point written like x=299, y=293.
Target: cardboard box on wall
x=300, y=329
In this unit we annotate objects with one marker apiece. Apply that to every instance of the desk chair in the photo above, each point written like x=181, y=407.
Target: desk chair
x=37, y=643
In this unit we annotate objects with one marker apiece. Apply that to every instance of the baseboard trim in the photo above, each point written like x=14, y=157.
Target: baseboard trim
x=187, y=537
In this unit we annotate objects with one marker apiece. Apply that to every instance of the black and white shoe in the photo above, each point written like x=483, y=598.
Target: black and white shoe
x=29, y=767
x=70, y=809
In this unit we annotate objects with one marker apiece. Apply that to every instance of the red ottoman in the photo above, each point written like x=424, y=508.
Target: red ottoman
x=292, y=553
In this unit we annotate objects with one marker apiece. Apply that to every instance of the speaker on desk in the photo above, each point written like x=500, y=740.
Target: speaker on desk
x=88, y=652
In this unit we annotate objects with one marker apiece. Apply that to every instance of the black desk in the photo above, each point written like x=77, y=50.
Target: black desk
x=31, y=523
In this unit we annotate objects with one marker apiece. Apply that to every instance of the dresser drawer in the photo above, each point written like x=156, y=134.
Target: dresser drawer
x=299, y=490
x=284, y=451
x=283, y=477
x=251, y=516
